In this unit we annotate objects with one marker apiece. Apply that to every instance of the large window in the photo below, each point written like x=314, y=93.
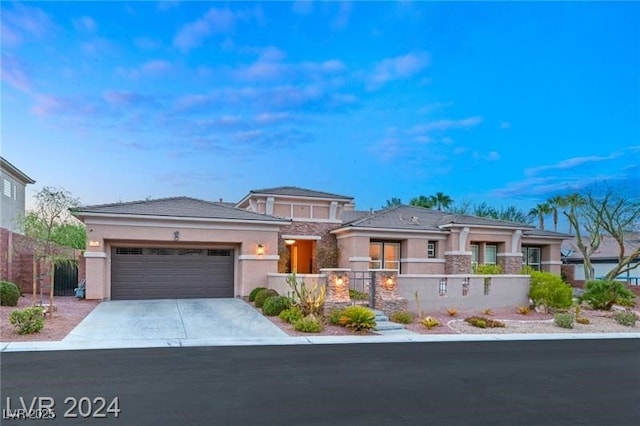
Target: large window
x=384, y=255
x=489, y=257
x=531, y=257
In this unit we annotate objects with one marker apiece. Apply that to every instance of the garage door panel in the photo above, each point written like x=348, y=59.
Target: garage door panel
x=153, y=273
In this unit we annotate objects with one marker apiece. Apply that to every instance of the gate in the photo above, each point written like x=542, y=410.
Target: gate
x=362, y=289
x=65, y=279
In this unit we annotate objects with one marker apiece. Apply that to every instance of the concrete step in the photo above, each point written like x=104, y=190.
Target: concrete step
x=388, y=325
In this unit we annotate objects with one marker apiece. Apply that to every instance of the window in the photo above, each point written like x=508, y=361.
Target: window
x=531, y=257
x=7, y=188
x=431, y=249
x=384, y=255
x=475, y=253
x=489, y=257
x=490, y=253
x=127, y=250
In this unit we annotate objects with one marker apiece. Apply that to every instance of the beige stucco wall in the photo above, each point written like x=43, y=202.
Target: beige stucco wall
x=250, y=268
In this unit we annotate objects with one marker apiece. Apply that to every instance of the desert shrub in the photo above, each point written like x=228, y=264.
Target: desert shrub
x=334, y=316
x=487, y=269
x=402, y=317
x=487, y=311
x=290, y=315
x=310, y=300
x=357, y=295
x=583, y=320
x=564, y=319
x=452, y=312
x=254, y=292
x=482, y=322
x=523, y=310
x=430, y=322
x=602, y=295
x=275, y=304
x=264, y=295
x=28, y=320
x=308, y=324
x=627, y=318
x=358, y=318
x=9, y=293
x=549, y=290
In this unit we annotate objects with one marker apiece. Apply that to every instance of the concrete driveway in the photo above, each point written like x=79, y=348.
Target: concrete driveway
x=173, y=319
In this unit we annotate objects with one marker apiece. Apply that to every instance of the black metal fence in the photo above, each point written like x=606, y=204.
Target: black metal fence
x=361, y=288
x=65, y=279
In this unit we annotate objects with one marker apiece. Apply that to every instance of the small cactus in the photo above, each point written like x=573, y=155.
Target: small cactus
x=430, y=322
x=524, y=310
x=452, y=312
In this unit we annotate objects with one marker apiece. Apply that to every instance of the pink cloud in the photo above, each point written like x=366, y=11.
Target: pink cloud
x=214, y=21
x=399, y=67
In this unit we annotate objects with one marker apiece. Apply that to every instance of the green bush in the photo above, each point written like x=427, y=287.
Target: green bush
x=564, y=319
x=526, y=270
x=263, y=295
x=28, y=320
x=9, y=294
x=290, y=315
x=275, y=304
x=487, y=269
x=402, y=317
x=358, y=295
x=602, y=295
x=308, y=324
x=549, y=290
x=334, y=316
x=358, y=318
x=483, y=322
x=254, y=292
x=627, y=318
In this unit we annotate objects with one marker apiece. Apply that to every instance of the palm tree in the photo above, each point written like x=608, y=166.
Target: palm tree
x=573, y=201
x=394, y=201
x=540, y=211
x=555, y=203
x=441, y=201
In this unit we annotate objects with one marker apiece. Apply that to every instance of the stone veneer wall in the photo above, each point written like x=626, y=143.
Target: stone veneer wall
x=457, y=264
x=510, y=264
x=337, y=294
x=388, y=299
x=325, y=254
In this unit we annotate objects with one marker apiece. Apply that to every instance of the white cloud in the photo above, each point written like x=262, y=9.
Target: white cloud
x=490, y=156
x=153, y=68
x=14, y=73
x=21, y=22
x=399, y=67
x=570, y=164
x=85, y=24
x=342, y=18
x=214, y=21
x=444, y=125
x=272, y=117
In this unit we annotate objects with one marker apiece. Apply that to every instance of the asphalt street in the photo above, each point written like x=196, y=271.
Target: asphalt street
x=554, y=382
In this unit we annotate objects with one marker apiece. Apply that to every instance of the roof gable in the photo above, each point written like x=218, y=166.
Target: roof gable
x=295, y=191
x=183, y=207
x=15, y=172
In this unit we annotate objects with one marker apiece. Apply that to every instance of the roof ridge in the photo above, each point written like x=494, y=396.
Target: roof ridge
x=128, y=203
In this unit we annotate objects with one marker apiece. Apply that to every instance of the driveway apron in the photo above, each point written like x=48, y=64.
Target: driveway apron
x=173, y=319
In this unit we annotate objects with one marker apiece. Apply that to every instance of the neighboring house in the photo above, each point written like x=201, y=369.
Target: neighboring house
x=604, y=259
x=183, y=247
x=14, y=182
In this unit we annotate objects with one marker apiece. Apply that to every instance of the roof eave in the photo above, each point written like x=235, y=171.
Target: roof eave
x=84, y=214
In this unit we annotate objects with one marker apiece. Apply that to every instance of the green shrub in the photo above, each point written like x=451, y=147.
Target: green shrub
x=254, y=292
x=28, y=320
x=263, y=295
x=334, y=316
x=358, y=318
x=291, y=315
x=358, y=295
x=602, y=295
x=564, y=319
x=430, y=322
x=487, y=269
x=9, y=294
x=308, y=324
x=275, y=304
x=402, y=317
x=526, y=270
x=310, y=300
x=483, y=322
x=549, y=290
x=627, y=318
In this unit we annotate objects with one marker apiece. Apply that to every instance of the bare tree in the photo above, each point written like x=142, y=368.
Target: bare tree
x=581, y=217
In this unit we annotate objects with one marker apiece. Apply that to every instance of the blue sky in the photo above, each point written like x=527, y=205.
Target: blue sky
x=508, y=102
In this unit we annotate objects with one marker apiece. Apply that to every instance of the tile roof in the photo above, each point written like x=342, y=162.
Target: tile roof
x=298, y=192
x=608, y=248
x=413, y=217
x=175, y=207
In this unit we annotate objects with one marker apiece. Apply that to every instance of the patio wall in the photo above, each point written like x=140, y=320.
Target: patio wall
x=278, y=282
x=504, y=291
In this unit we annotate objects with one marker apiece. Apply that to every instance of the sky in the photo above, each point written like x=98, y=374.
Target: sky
x=508, y=103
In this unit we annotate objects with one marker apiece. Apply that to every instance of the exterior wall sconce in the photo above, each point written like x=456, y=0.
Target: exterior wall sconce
x=260, y=249
x=339, y=280
x=289, y=241
x=94, y=243
x=388, y=283
x=176, y=235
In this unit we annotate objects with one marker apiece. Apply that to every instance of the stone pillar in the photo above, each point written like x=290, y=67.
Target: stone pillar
x=387, y=299
x=511, y=263
x=337, y=289
x=457, y=263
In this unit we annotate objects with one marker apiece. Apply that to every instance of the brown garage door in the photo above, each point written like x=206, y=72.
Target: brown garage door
x=168, y=273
